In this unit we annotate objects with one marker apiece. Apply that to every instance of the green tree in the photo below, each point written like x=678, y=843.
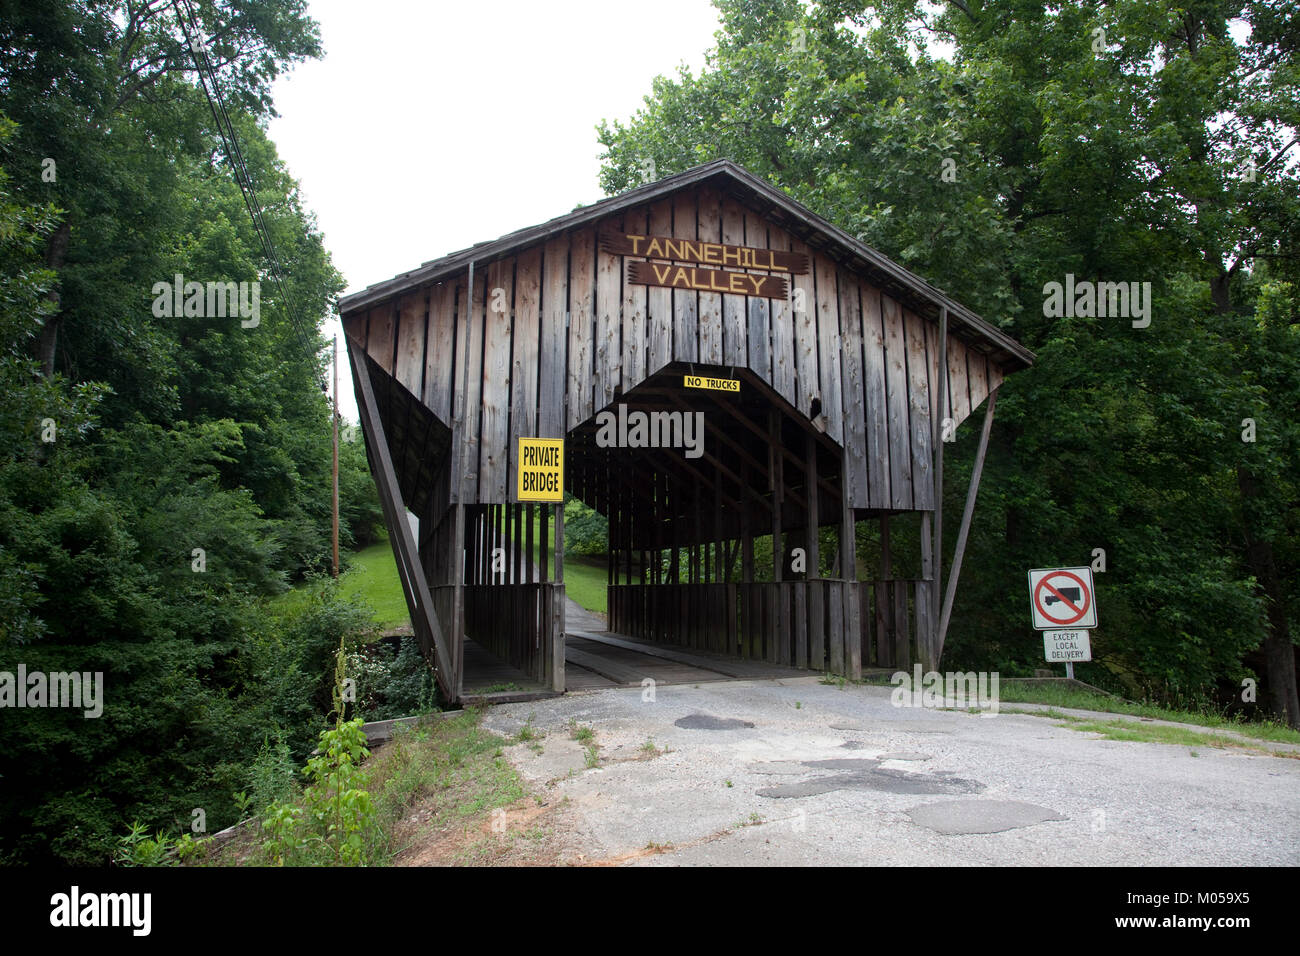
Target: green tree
x=1121, y=141
x=188, y=479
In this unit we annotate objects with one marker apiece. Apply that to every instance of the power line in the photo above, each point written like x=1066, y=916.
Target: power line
x=225, y=129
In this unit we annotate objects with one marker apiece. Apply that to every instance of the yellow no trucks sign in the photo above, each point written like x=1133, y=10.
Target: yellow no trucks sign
x=541, y=469
x=717, y=384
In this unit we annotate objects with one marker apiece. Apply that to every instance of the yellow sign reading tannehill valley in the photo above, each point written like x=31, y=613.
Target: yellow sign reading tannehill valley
x=717, y=384
x=540, y=469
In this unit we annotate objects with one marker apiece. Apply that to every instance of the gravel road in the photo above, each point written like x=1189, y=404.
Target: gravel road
x=796, y=772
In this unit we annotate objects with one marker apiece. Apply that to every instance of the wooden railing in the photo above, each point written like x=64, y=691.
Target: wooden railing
x=820, y=624
x=517, y=623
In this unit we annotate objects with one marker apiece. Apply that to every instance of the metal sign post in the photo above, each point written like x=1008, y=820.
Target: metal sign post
x=1063, y=606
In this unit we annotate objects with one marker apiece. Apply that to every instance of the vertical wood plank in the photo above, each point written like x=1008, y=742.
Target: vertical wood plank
x=412, y=310
x=884, y=629
x=854, y=392
x=902, y=632
x=735, y=323
x=552, y=369
x=828, y=346
x=659, y=302
x=525, y=357
x=817, y=624
x=607, y=364
x=994, y=375
x=354, y=327
x=686, y=302
x=469, y=371
x=494, y=454
x=709, y=229
x=835, y=605
x=801, y=624
x=782, y=315
x=853, y=645
x=582, y=374
x=925, y=629
x=635, y=303
x=919, y=409
x=803, y=304
x=977, y=365
x=438, y=384
x=557, y=606
x=758, y=309
x=957, y=378
x=932, y=367
x=379, y=341
x=900, y=452
x=876, y=402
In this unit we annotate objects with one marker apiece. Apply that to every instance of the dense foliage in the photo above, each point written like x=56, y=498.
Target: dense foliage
x=162, y=478
x=1126, y=141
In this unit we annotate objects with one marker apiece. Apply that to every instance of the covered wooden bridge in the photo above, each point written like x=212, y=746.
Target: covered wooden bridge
x=723, y=366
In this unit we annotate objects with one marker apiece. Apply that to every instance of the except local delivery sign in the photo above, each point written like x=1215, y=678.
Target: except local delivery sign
x=1066, y=646
x=1062, y=598
x=541, y=469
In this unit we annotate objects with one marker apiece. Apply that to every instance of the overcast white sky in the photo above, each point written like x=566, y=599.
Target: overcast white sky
x=429, y=126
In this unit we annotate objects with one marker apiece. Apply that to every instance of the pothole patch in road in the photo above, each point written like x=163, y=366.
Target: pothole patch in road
x=953, y=817
x=843, y=763
x=864, y=774
x=901, y=726
x=709, y=722
x=783, y=768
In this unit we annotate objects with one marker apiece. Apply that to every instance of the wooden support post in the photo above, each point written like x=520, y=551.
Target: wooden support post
x=778, y=625
x=849, y=572
x=938, y=443
x=813, y=544
x=458, y=597
x=517, y=545
x=674, y=566
x=884, y=600
x=544, y=546
x=629, y=527
x=418, y=598
x=777, y=464
x=529, y=520
x=557, y=606
x=815, y=651
x=717, y=527
x=964, y=531
x=925, y=624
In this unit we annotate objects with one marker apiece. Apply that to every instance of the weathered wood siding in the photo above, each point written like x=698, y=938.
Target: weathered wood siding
x=555, y=332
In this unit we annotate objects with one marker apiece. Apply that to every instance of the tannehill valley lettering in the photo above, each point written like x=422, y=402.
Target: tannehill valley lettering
x=707, y=280
x=705, y=253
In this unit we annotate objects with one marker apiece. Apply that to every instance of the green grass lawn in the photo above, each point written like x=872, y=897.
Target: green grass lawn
x=372, y=573
x=585, y=576
x=1058, y=695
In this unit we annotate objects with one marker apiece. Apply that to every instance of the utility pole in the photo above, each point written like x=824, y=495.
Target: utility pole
x=336, y=457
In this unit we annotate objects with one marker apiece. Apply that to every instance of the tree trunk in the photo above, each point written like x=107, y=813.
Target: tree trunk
x=56, y=250
x=1279, y=653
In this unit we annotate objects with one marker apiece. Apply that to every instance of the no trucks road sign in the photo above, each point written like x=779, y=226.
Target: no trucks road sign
x=1062, y=598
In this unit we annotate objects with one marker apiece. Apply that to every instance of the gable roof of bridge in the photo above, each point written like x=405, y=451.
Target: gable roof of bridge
x=801, y=222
